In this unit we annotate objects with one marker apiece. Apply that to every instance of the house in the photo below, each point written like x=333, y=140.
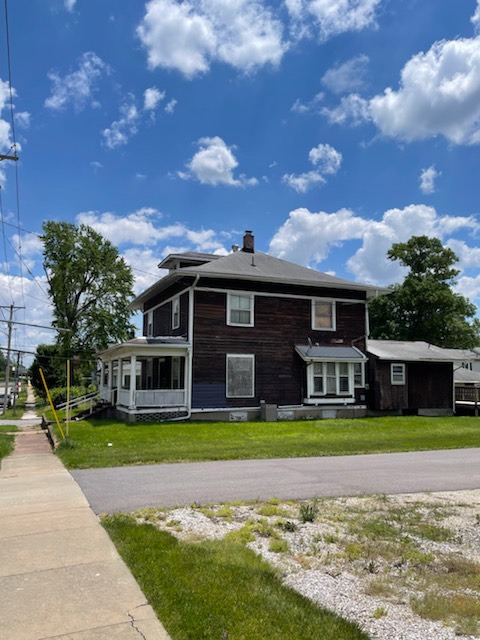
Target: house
x=241, y=336
x=412, y=377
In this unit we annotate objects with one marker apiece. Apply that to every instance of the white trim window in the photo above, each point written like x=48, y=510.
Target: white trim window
x=323, y=315
x=240, y=309
x=358, y=375
x=334, y=378
x=397, y=373
x=240, y=376
x=149, y=324
x=176, y=312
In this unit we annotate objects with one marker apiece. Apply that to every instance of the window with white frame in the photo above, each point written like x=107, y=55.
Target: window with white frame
x=397, y=373
x=240, y=376
x=323, y=315
x=358, y=375
x=240, y=309
x=175, y=313
x=334, y=378
x=149, y=324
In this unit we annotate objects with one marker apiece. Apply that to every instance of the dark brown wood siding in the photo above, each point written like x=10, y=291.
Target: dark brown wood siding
x=162, y=319
x=428, y=385
x=280, y=324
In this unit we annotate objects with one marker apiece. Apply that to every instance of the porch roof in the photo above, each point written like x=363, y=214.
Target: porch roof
x=328, y=353
x=146, y=346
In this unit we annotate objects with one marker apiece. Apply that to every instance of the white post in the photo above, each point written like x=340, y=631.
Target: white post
x=110, y=381
x=133, y=381
x=120, y=374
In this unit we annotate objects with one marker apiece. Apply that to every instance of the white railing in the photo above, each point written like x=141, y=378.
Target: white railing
x=160, y=398
x=90, y=397
x=106, y=394
x=123, y=397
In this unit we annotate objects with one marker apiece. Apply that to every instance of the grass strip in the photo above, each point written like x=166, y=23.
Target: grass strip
x=7, y=444
x=218, y=589
x=108, y=443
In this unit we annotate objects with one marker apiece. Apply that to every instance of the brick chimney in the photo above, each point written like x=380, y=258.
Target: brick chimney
x=248, y=242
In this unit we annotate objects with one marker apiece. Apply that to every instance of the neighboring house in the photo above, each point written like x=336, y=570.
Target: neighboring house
x=412, y=377
x=240, y=336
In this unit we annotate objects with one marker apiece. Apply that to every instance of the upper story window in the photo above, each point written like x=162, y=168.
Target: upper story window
x=175, y=313
x=240, y=309
x=149, y=324
x=323, y=315
x=397, y=373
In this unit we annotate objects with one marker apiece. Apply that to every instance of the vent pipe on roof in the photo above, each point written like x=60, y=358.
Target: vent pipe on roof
x=248, y=242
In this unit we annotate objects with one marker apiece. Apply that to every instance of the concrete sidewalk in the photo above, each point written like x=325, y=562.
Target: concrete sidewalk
x=60, y=575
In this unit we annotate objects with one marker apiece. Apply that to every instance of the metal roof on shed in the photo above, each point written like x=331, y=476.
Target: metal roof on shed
x=410, y=351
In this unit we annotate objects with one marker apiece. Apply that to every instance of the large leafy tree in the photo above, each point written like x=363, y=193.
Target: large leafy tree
x=90, y=285
x=49, y=359
x=424, y=306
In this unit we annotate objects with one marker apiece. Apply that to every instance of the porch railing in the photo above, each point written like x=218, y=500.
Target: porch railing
x=153, y=398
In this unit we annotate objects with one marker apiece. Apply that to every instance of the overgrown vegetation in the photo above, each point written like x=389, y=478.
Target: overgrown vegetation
x=108, y=443
x=420, y=553
x=219, y=589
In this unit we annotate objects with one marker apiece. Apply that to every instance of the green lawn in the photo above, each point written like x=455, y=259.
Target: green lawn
x=107, y=443
x=7, y=442
x=216, y=590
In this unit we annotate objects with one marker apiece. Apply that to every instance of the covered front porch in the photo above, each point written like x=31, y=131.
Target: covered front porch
x=147, y=378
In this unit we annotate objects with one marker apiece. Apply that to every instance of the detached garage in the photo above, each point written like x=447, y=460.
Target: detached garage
x=410, y=378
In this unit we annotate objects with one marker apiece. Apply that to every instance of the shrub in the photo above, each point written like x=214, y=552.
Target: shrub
x=309, y=511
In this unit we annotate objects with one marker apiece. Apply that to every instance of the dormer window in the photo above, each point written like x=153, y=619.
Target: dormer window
x=323, y=315
x=240, y=309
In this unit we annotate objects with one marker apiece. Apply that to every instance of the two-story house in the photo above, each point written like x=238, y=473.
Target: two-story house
x=230, y=337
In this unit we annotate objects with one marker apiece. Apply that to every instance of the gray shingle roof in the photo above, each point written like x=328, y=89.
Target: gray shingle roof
x=413, y=351
x=258, y=267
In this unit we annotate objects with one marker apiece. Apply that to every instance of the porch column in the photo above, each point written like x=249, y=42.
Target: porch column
x=102, y=377
x=120, y=375
x=133, y=381
x=110, y=381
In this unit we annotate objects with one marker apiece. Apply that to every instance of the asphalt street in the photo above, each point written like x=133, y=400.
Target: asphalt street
x=129, y=488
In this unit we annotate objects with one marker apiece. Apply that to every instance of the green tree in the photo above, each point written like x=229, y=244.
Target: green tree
x=90, y=285
x=424, y=306
x=49, y=359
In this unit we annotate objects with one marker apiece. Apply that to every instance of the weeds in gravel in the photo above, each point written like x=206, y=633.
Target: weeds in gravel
x=308, y=511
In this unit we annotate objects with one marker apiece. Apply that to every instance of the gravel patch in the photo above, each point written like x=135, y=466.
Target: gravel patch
x=364, y=558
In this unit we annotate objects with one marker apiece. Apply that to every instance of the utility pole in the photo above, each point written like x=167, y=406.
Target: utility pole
x=9, y=345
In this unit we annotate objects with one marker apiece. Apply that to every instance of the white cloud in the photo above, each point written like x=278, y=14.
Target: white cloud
x=306, y=107
x=475, y=19
x=5, y=141
x=302, y=182
x=96, y=166
x=427, y=180
x=70, y=4
x=331, y=17
x=398, y=225
x=347, y=77
x=215, y=163
x=468, y=257
x=22, y=119
x=307, y=238
x=353, y=110
x=189, y=36
x=152, y=97
x=469, y=287
x=78, y=87
x=121, y=130
x=325, y=158
x=170, y=106
x=138, y=228
x=439, y=94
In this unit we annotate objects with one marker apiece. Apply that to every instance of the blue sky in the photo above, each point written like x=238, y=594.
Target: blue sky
x=331, y=128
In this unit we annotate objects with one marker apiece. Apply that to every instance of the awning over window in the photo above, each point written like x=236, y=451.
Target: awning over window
x=315, y=353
